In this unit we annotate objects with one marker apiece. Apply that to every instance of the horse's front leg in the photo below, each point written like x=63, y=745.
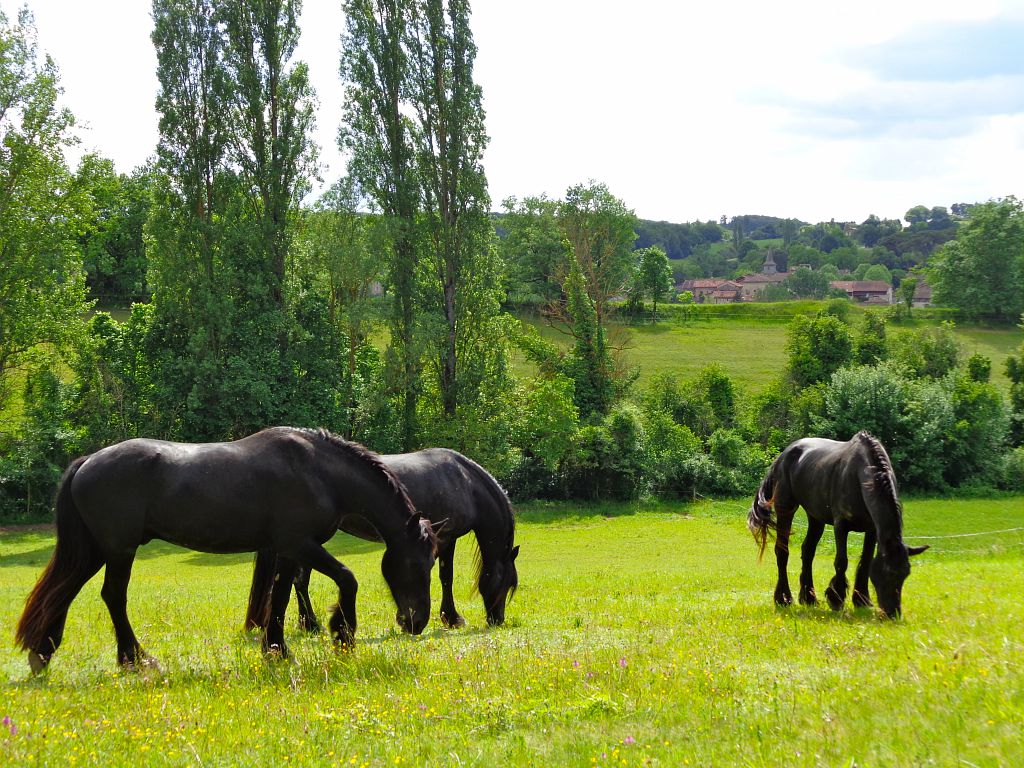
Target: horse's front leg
x=343, y=617
x=273, y=635
x=307, y=616
x=836, y=592
x=783, y=528
x=815, y=528
x=445, y=568
x=861, y=595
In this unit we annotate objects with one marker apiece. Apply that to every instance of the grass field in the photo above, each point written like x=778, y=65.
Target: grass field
x=753, y=350
x=639, y=636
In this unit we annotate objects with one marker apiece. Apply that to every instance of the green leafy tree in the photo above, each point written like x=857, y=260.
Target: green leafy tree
x=377, y=133
x=654, y=275
x=870, y=345
x=461, y=272
x=906, y=292
x=930, y=352
x=878, y=272
x=533, y=249
x=817, y=348
x=42, y=288
x=589, y=365
x=113, y=241
x=600, y=230
x=808, y=284
x=981, y=271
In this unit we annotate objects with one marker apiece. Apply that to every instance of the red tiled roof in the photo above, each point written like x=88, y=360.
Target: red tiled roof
x=861, y=286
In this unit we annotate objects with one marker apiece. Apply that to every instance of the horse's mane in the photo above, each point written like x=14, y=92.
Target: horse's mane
x=364, y=454
x=884, y=478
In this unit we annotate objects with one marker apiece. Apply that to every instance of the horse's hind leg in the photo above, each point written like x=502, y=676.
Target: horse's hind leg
x=343, y=617
x=115, y=595
x=814, y=530
x=307, y=616
x=783, y=528
x=273, y=635
x=836, y=592
x=861, y=595
x=445, y=568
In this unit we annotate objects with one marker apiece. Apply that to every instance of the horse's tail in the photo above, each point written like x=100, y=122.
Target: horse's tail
x=761, y=518
x=264, y=567
x=74, y=561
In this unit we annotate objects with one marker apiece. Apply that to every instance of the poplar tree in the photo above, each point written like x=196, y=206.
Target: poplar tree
x=377, y=135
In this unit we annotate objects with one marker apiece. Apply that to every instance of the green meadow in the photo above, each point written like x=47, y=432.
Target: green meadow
x=640, y=635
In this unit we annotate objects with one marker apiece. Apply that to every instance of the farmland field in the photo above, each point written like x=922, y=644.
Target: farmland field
x=641, y=635
x=753, y=350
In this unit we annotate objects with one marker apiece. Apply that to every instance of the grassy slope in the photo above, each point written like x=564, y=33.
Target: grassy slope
x=639, y=636
x=753, y=350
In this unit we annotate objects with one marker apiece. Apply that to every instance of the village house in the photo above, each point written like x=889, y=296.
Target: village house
x=702, y=288
x=751, y=285
x=922, y=295
x=865, y=291
x=727, y=293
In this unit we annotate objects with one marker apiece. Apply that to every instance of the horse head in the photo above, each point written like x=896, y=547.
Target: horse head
x=407, y=572
x=497, y=583
x=888, y=572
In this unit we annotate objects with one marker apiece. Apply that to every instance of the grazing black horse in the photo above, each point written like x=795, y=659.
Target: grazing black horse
x=458, y=496
x=850, y=486
x=282, y=488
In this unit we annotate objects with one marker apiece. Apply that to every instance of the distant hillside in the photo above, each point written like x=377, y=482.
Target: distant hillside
x=677, y=240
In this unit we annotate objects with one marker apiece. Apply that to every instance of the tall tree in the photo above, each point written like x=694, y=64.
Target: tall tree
x=234, y=157
x=42, y=288
x=450, y=141
x=600, y=230
x=376, y=132
x=654, y=275
x=272, y=118
x=981, y=272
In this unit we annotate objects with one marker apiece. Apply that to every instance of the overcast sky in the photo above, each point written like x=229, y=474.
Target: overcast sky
x=806, y=109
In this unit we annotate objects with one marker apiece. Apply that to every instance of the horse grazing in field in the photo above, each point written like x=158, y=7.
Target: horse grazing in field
x=850, y=486
x=283, y=488
x=458, y=496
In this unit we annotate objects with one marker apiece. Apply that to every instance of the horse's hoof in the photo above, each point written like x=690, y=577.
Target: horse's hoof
x=860, y=600
x=276, y=651
x=452, y=622
x=835, y=602
x=37, y=662
x=808, y=597
x=785, y=599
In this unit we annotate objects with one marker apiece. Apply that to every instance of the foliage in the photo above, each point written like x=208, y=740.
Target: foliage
x=981, y=272
x=113, y=243
x=653, y=276
x=378, y=135
x=589, y=365
x=979, y=368
x=533, y=249
x=808, y=284
x=870, y=345
x=41, y=207
x=932, y=351
x=817, y=348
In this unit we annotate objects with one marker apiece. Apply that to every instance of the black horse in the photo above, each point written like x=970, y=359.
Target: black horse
x=458, y=496
x=282, y=488
x=850, y=486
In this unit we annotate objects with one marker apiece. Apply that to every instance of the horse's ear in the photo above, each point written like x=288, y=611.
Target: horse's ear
x=515, y=552
x=415, y=524
x=911, y=551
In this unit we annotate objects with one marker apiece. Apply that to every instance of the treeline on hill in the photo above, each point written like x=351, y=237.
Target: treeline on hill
x=841, y=248
x=381, y=312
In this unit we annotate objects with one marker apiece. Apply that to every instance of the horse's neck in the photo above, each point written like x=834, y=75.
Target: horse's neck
x=491, y=530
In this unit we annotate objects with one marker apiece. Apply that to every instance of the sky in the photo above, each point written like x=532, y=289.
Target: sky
x=687, y=111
